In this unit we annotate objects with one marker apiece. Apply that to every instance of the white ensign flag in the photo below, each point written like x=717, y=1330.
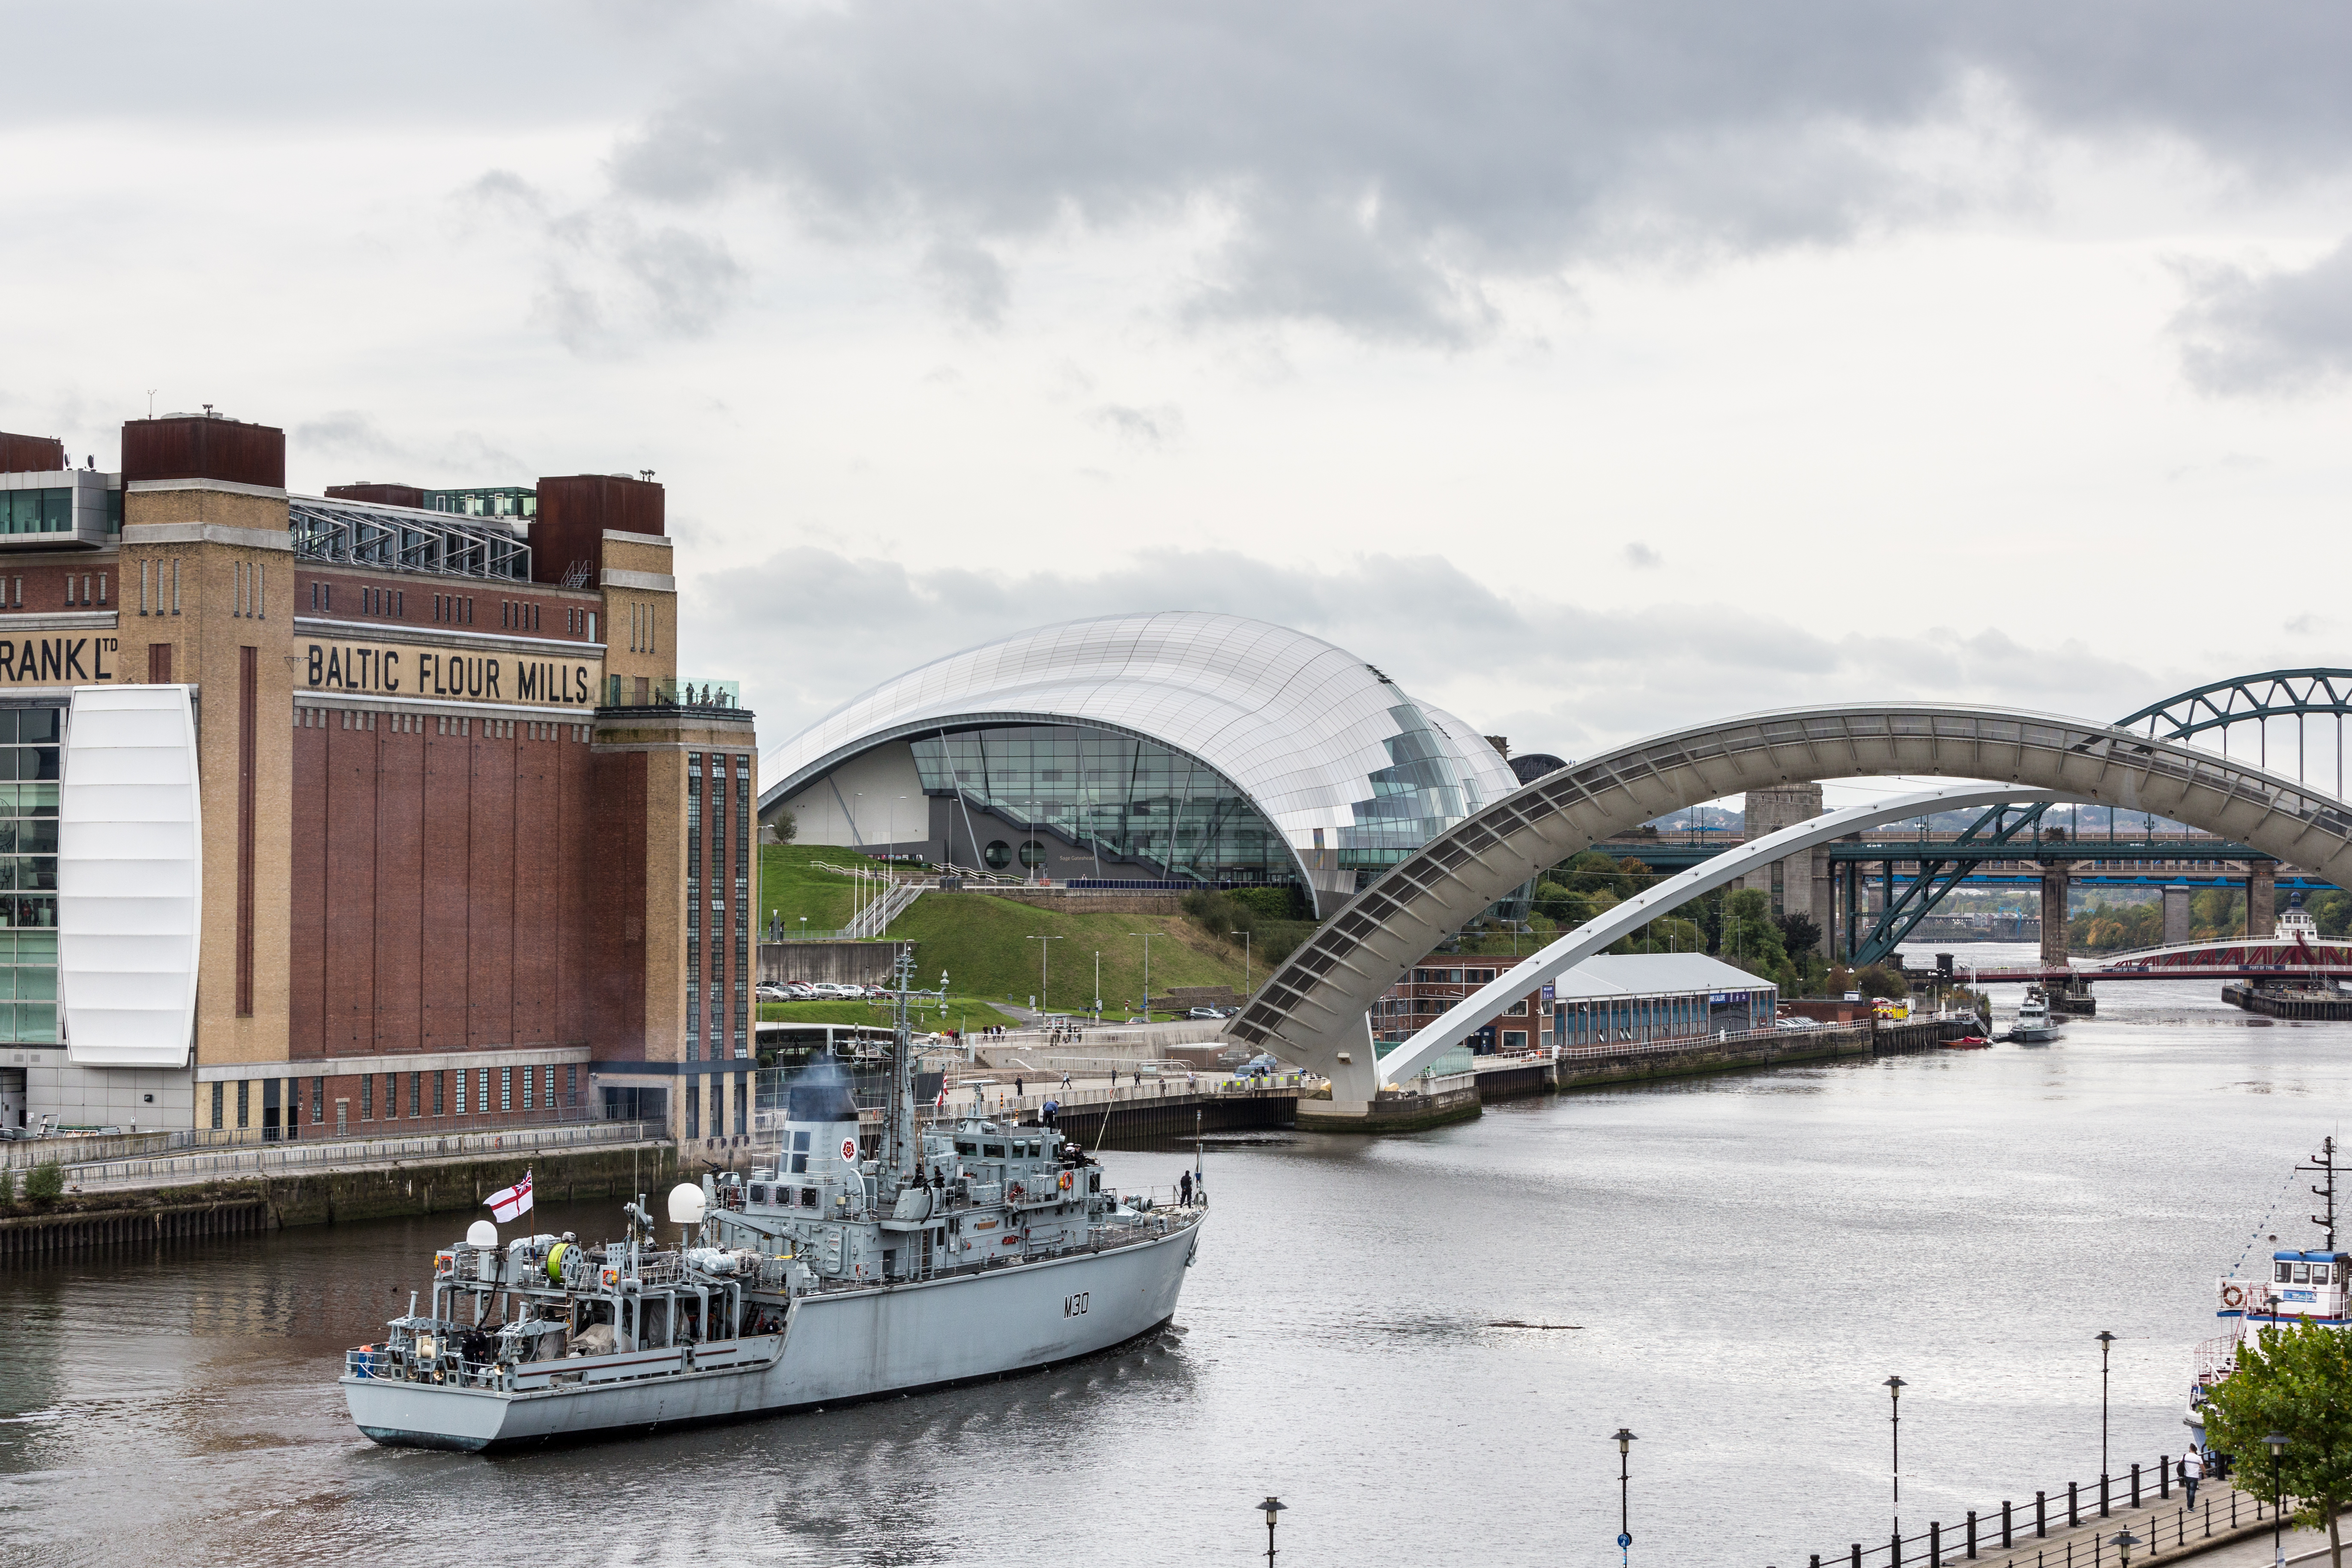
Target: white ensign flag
x=515, y=1200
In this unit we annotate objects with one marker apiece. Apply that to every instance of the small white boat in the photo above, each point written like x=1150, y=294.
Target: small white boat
x=2034, y=1025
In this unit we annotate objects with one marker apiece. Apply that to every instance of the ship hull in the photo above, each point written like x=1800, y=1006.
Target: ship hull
x=837, y=1349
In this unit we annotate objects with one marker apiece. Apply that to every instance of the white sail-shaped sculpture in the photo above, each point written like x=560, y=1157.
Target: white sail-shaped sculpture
x=129, y=877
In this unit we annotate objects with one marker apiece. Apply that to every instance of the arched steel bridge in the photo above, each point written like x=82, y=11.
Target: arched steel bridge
x=1313, y=1008
x=2222, y=705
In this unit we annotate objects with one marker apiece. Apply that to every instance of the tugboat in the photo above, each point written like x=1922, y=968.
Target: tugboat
x=2305, y=1286
x=949, y=1255
x=2034, y=1025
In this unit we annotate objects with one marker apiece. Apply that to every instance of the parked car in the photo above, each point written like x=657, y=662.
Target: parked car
x=1208, y=1013
x=1790, y=1021
x=1260, y=1067
x=769, y=991
x=799, y=990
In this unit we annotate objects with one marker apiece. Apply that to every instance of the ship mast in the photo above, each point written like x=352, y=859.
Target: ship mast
x=902, y=1150
x=2324, y=1162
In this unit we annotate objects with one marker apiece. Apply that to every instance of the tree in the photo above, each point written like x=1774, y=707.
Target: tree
x=783, y=828
x=1749, y=938
x=2296, y=1382
x=1881, y=979
x=46, y=1183
x=1798, y=933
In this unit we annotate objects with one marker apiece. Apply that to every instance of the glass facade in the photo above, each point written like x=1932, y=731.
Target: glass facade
x=37, y=511
x=1197, y=745
x=28, y=875
x=1125, y=798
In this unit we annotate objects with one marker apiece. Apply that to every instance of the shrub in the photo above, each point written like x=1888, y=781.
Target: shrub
x=46, y=1184
x=8, y=1189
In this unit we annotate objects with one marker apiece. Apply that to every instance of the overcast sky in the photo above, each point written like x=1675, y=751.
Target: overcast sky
x=1592, y=369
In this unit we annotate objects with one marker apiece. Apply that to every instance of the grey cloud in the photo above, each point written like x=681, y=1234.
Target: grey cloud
x=1376, y=163
x=1641, y=555
x=1144, y=426
x=606, y=278
x=971, y=282
x=2276, y=331
x=1565, y=682
x=350, y=438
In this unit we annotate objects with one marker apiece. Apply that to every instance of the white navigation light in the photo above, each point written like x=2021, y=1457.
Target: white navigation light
x=685, y=1203
x=129, y=877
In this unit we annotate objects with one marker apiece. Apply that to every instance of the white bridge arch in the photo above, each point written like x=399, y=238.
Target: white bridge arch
x=1313, y=1008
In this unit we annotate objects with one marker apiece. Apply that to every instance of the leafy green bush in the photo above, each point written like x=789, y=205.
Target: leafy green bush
x=46, y=1184
x=8, y=1189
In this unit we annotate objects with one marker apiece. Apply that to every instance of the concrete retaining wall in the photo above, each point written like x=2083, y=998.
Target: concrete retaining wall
x=421, y=1188
x=839, y=963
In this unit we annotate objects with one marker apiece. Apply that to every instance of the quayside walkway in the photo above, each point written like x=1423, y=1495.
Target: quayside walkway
x=2070, y=1529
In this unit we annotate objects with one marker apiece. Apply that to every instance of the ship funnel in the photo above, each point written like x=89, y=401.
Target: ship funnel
x=820, y=1121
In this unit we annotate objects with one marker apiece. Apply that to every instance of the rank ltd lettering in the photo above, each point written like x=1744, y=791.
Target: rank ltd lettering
x=57, y=661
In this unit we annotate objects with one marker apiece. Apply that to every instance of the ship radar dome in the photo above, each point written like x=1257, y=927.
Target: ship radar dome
x=481, y=1233
x=685, y=1203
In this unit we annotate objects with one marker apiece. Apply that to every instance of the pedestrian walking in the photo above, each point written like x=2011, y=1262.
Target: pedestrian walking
x=2192, y=1471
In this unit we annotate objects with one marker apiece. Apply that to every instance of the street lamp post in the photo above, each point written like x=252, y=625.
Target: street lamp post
x=1625, y=1441
x=1245, y=962
x=2106, y=1340
x=1272, y=1508
x=2123, y=1540
x=1147, y=936
x=1099, y=986
x=1045, y=945
x=1894, y=1386
x=2276, y=1444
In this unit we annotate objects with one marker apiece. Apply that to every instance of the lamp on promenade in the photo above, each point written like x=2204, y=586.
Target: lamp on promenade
x=2106, y=1340
x=1272, y=1508
x=1625, y=1530
x=2276, y=1444
x=2123, y=1540
x=1894, y=1386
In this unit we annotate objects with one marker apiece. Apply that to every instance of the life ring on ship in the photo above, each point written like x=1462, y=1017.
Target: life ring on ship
x=2232, y=1296
x=1066, y=1181
x=612, y=1277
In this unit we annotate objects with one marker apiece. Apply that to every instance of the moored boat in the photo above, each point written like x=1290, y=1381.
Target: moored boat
x=937, y=1255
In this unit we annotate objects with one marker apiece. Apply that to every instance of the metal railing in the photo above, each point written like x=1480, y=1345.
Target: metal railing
x=270, y=1159
x=76, y=1149
x=2068, y=1527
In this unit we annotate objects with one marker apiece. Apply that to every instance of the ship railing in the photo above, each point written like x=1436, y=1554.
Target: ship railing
x=2074, y=1523
x=381, y=1364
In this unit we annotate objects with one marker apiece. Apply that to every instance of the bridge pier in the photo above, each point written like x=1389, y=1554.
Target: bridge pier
x=2055, y=881
x=2262, y=898
x=2176, y=913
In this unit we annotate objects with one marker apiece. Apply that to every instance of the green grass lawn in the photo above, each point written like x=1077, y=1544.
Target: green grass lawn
x=961, y=1012
x=791, y=887
x=984, y=946
x=982, y=943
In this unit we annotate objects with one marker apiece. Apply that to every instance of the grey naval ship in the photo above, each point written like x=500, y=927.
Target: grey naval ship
x=950, y=1254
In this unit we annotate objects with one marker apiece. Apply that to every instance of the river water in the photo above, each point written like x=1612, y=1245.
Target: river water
x=1745, y=1260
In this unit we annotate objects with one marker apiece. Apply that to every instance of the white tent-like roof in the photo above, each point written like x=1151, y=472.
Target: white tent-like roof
x=1298, y=726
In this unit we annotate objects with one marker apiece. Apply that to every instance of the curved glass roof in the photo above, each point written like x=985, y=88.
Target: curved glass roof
x=1316, y=738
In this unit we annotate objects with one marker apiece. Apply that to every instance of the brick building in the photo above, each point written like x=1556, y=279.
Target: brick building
x=423, y=828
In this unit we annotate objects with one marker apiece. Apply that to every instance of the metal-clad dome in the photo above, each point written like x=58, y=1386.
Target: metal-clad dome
x=1314, y=737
